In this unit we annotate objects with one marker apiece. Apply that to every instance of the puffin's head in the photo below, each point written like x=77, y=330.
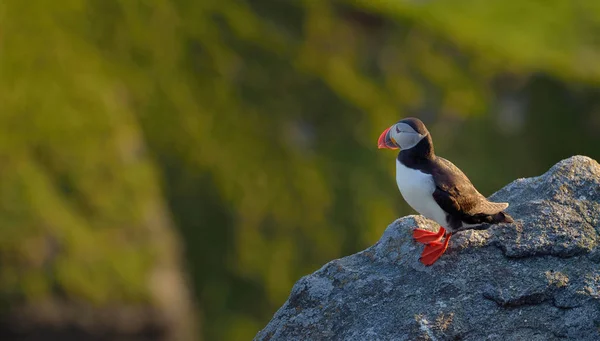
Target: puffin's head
x=405, y=134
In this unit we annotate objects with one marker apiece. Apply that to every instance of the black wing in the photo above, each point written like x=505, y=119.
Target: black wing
x=458, y=197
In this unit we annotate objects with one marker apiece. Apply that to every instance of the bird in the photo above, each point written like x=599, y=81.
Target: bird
x=437, y=189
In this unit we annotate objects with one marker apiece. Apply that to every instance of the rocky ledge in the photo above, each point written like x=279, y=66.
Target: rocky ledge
x=535, y=279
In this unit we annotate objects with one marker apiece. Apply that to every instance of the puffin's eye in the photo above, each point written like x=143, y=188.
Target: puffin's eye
x=397, y=130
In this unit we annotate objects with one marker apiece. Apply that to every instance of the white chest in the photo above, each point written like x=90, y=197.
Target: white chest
x=417, y=188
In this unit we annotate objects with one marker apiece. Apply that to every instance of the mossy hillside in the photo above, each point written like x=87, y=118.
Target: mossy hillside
x=77, y=187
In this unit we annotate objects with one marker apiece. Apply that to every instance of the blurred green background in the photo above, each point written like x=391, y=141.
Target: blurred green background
x=198, y=157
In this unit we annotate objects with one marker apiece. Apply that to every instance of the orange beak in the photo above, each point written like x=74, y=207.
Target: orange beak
x=386, y=141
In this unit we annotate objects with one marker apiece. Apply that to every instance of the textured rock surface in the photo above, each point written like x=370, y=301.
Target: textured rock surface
x=536, y=279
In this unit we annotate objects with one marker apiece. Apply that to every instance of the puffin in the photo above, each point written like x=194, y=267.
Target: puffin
x=437, y=189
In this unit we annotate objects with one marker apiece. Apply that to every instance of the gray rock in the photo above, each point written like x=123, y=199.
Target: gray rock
x=536, y=279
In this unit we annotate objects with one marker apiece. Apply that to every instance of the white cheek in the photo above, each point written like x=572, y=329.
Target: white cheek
x=408, y=140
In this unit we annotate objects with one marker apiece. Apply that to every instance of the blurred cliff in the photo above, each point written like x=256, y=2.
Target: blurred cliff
x=170, y=168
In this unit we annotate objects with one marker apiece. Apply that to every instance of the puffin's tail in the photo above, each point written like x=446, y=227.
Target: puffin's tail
x=501, y=217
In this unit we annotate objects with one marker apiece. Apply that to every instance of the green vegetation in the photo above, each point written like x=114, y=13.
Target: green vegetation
x=255, y=123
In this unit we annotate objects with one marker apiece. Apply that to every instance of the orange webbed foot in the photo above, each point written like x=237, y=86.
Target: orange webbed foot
x=434, y=250
x=426, y=237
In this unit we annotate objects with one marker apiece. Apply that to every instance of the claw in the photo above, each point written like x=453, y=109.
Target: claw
x=434, y=250
x=426, y=237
